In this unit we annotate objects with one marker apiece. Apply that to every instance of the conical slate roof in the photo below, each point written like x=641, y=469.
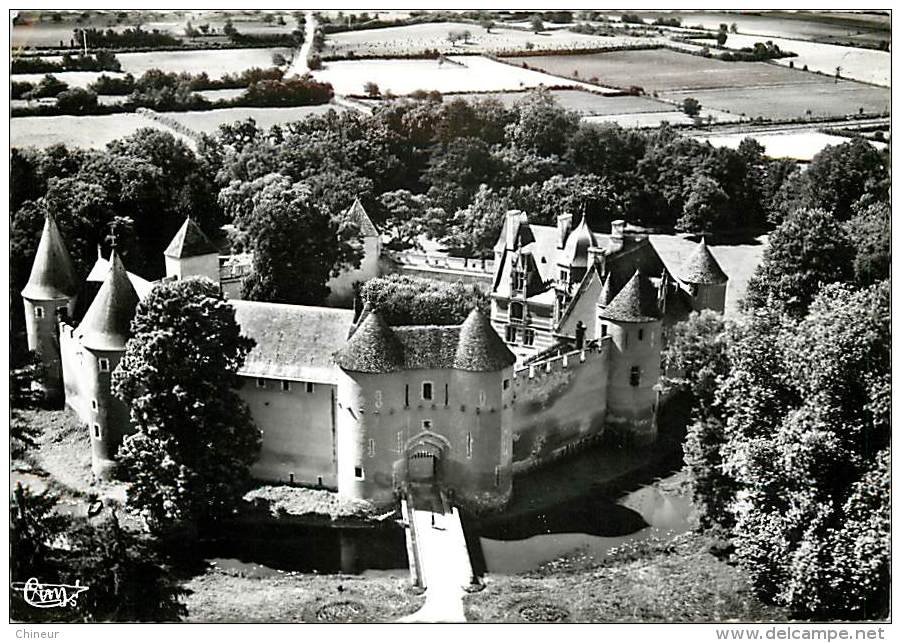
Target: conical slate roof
x=372, y=348
x=606, y=295
x=52, y=274
x=702, y=268
x=577, y=245
x=106, y=325
x=479, y=347
x=190, y=241
x=636, y=302
x=357, y=213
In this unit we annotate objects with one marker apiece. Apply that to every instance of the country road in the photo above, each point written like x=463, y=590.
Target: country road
x=299, y=64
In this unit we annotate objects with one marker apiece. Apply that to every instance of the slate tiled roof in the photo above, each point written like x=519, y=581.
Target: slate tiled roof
x=107, y=324
x=357, y=213
x=375, y=347
x=575, y=253
x=190, y=241
x=480, y=348
x=702, y=268
x=372, y=348
x=635, y=302
x=292, y=342
x=52, y=274
x=101, y=268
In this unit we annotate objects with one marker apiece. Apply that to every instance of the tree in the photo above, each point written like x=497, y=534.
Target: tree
x=77, y=101
x=455, y=173
x=811, y=531
x=536, y=24
x=473, y=231
x=371, y=89
x=278, y=59
x=487, y=25
x=228, y=28
x=808, y=250
x=406, y=300
x=541, y=124
x=190, y=456
x=706, y=207
x=691, y=106
x=405, y=218
x=297, y=245
x=871, y=233
x=722, y=36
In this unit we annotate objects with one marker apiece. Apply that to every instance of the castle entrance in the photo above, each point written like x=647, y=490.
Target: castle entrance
x=421, y=466
x=424, y=453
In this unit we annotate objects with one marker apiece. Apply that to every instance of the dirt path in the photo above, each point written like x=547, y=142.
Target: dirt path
x=299, y=64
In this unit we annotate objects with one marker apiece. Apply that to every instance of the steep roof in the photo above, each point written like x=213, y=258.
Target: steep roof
x=606, y=295
x=292, y=342
x=357, y=213
x=373, y=348
x=101, y=268
x=702, y=267
x=479, y=347
x=107, y=324
x=52, y=274
x=190, y=241
x=635, y=302
x=575, y=252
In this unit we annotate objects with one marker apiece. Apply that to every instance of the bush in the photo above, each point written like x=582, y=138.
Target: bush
x=77, y=101
x=406, y=300
x=110, y=86
x=285, y=93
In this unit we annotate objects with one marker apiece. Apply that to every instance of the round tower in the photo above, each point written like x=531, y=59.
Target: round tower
x=102, y=334
x=633, y=321
x=704, y=279
x=50, y=292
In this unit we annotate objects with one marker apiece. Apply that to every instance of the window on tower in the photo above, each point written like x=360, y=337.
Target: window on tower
x=103, y=365
x=39, y=312
x=426, y=390
x=635, y=376
x=640, y=334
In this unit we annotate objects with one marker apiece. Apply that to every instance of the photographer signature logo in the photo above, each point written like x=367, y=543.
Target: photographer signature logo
x=42, y=595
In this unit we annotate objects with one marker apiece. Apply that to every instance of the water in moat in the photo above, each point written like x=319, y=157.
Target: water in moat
x=591, y=503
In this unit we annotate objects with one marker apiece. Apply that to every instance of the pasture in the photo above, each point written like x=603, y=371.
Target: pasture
x=209, y=121
x=665, y=70
x=71, y=78
x=77, y=131
x=867, y=65
x=413, y=39
x=215, y=62
x=821, y=99
x=462, y=74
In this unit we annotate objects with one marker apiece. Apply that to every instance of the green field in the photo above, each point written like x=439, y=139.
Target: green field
x=586, y=103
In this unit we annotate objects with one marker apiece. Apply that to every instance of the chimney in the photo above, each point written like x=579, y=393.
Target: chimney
x=617, y=235
x=564, y=225
x=580, y=335
x=597, y=257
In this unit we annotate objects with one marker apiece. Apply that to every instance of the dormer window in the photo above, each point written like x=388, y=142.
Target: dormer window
x=517, y=311
x=519, y=280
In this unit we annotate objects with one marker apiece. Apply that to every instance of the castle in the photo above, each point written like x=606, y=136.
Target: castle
x=345, y=401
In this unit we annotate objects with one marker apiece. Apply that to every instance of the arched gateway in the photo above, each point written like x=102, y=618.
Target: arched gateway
x=424, y=454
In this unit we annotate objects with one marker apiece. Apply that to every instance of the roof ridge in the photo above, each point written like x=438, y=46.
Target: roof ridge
x=190, y=241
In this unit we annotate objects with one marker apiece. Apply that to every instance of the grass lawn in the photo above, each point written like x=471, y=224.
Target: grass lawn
x=220, y=597
x=825, y=98
x=586, y=103
x=674, y=581
x=78, y=131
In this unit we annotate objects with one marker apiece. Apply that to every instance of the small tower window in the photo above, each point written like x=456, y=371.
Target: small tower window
x=371, y=446
x=358, y=473
x=482, y=398
x=446, y=394
x=635, y=376
x=286, y=386
x=506, y=384
x=603, y=330
x=497, y=476
x=469, y=445
x=400, y=441
x=640, y=334
x=426, y=425
x=97, y=431
x=261, y=383
x=406, y=395
x=103, y=365
x=427, y=390
x=93, y=405
x=378, y=399
x=39, y=312
x=528, y=337
x=311, y=388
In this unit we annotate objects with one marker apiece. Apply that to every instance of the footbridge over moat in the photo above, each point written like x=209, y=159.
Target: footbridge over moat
x=439, y=559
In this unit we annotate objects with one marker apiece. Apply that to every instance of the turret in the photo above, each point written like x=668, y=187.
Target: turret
x=633, y=321
x=573, y=261
x=191, y=254
x=49, y=293
x=704, y=279
x=102, y=334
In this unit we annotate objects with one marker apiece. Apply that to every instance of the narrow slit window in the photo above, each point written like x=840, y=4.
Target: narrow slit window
x=482, y=398
x=97, y=431
x=406, y=395
x=469, y=445
x=446, y=394
x=378, y=399
x=286, y=386
x=497, y=476
x=93, y=405
x=39, y=312
x=640, y=334
x=426, y=390
x=358, y=473
x=311, y=388
x=635, y=376
x=371, y=446
x=261, y=383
